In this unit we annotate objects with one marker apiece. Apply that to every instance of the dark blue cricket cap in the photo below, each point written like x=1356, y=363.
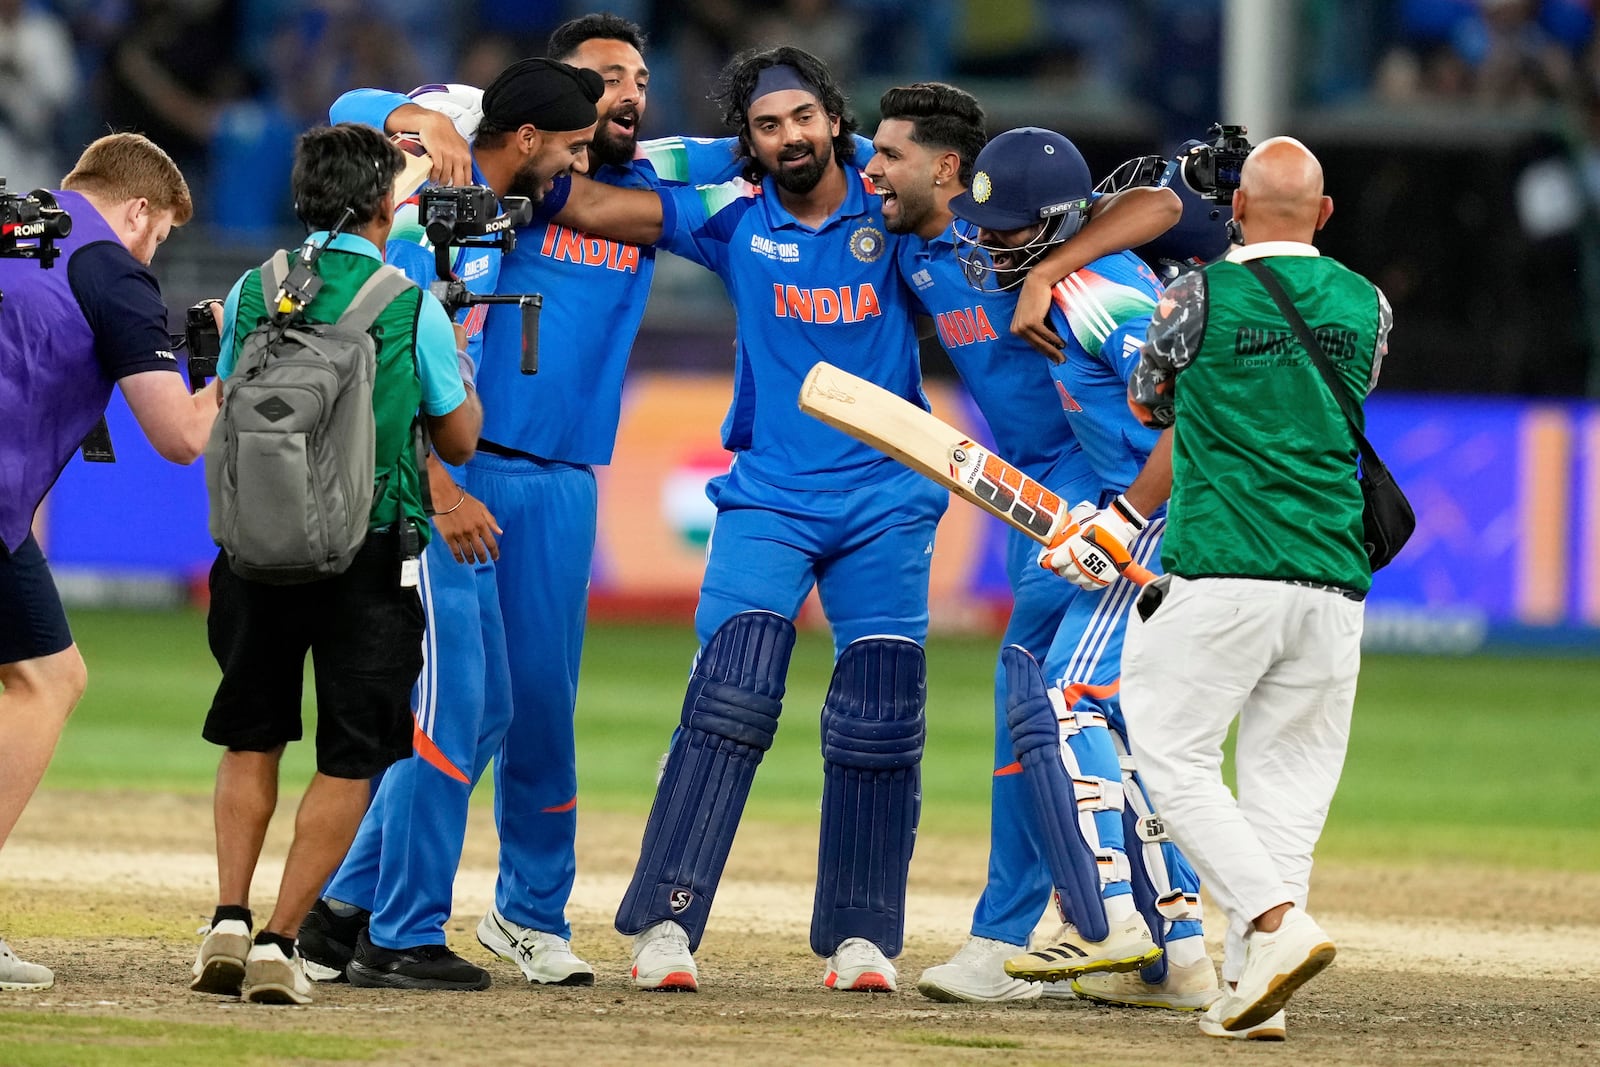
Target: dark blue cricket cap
x=1021, y=177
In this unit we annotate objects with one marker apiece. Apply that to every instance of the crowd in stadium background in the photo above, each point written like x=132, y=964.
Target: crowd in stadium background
x=225, y=84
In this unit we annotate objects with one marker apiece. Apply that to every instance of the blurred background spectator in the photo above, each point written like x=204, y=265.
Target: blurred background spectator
x=1461, y=137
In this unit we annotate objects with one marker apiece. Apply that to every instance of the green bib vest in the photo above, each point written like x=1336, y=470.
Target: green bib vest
x=396, y=390
x=1264, y=465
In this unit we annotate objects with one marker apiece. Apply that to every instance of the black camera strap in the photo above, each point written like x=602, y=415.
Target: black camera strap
x=1371, y=465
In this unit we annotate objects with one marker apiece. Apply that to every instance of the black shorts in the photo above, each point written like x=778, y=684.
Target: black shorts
x=364, y=633
x=32, y=621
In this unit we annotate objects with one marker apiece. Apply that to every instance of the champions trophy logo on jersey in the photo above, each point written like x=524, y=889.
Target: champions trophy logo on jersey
x=866, y=244
x=982, y=187
x=679, y=900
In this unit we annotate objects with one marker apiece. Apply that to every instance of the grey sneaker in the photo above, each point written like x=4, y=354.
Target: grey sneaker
x=859, y=966
x=662, y=961
x=545, y=958
x=270, y=977
x=219, y=968
x=976, y=974
x=17, y=974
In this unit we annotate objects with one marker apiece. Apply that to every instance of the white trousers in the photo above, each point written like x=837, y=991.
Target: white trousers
x=1281, y=658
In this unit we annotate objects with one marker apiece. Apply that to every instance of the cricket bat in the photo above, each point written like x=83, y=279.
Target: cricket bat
x=415, y=173
x=935, y=449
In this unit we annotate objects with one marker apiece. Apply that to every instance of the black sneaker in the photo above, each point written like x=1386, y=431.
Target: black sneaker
x=326, y=941
x=423, y=967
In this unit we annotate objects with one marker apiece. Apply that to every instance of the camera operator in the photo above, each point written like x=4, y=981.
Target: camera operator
x=68, y=332
x=1259, y=616
x=363, y=626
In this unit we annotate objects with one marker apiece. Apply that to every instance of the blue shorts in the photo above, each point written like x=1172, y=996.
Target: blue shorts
x=32, y=621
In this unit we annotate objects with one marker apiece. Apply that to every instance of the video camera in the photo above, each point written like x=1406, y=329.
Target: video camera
x=455, y=216
x=35, y=219
x=1211, y=168
x=1204, y=174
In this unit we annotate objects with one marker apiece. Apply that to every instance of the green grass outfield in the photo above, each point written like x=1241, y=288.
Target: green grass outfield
x=1484, y=760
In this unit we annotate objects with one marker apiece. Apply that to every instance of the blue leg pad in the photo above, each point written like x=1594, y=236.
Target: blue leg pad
x=730, y=715
x=872, y=734
x=1036, y=740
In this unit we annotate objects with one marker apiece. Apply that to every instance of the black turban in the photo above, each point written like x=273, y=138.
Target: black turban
x=548, y=95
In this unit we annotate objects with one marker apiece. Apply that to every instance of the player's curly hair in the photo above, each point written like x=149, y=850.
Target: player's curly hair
x=568, y=37
x=941, y=117
x=738, y=80
x=345, y=166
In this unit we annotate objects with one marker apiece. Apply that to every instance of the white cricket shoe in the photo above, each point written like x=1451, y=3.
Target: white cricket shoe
x=859, y=966
x=545, y=958
x=1126, y=948
x=1189, y=988
x=219, y=967
x=662, y=961
x=270, y=977
x=1275, y=1028
x=976, y=974
x=1275, y=965
x=19, y=975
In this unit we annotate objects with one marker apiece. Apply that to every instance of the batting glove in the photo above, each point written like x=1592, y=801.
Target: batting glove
x=1092, y=555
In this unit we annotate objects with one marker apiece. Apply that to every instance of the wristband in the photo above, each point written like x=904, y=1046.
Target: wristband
x=468, y=369
x=1127, y=512
x=454, y=506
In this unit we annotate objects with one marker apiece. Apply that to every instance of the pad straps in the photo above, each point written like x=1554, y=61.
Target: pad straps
x=1370, y=463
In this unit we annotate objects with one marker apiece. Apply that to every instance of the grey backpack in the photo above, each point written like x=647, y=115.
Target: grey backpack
x=290, y=463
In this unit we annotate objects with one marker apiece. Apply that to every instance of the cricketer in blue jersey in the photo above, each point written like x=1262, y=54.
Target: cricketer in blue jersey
x=926, y=146
x=534, y=474
x=809, y=263
x=532, y=124
x=1028, y=187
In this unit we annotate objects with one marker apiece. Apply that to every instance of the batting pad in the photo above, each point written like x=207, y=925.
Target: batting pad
x=730, y=714
x=872, y=734
x=1036, y=742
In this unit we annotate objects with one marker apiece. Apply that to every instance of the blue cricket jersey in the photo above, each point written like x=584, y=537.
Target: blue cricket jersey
x=1008, y=380
x=1103, y=311
x=801, y=295
x=594, y=293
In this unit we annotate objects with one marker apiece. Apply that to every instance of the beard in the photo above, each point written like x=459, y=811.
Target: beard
x=613, y=149
x=910, y=212
x=804, y=178
x=527, y=182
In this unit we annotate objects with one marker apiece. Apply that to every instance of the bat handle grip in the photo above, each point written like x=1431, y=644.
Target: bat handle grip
x=1134, y=572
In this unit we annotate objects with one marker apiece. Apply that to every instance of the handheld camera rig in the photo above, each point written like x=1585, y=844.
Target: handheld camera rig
x=30, y=226
x=455, y=216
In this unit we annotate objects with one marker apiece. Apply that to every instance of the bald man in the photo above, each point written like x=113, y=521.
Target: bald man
x=1259, y=614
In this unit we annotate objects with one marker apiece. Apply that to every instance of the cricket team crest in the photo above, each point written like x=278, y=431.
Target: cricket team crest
x=867, y=244
x=982, y=187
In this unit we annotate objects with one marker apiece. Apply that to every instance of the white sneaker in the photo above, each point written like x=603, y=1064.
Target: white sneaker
x=1189, y=988
x=662, y=961
x=976, y=974
x=545, y=958
x=270, y=977
x=219, y=968
x=859, y=966
x=1275, y=965
x=1126, y=948
x=1274, y=1029
x=18, y=974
